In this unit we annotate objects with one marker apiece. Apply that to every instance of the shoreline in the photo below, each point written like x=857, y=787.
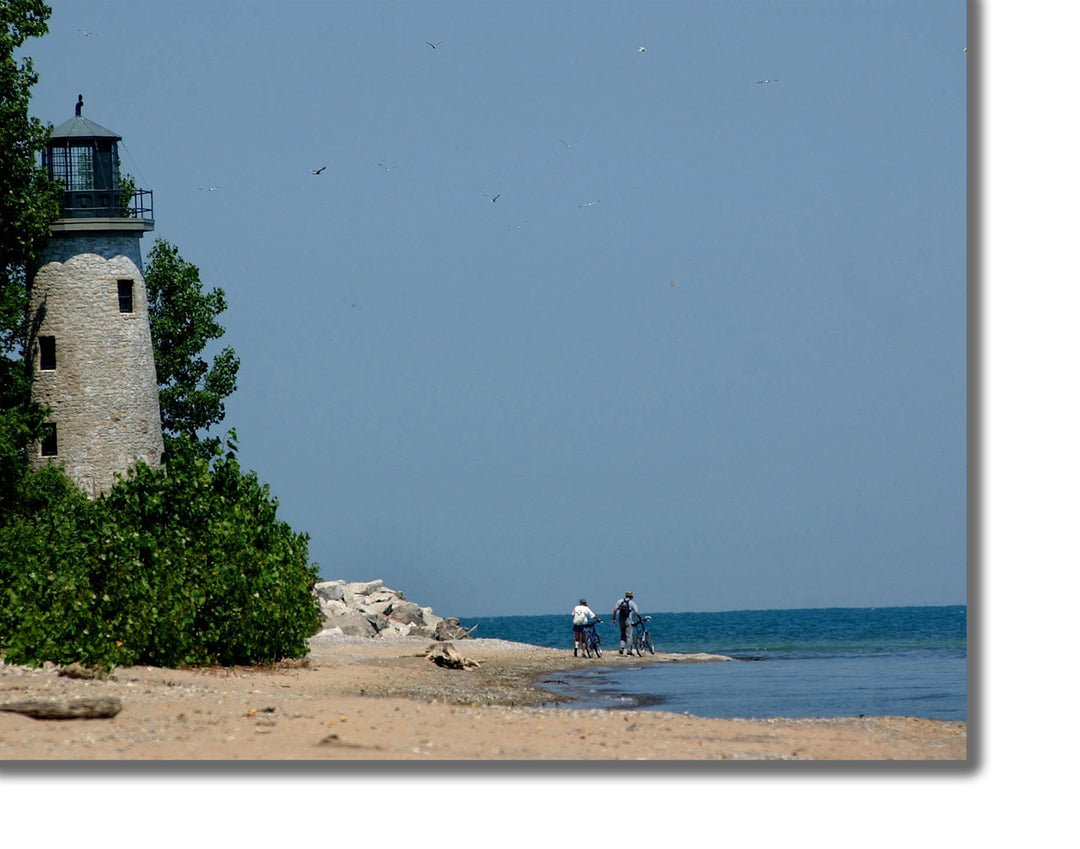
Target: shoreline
x=357, y=698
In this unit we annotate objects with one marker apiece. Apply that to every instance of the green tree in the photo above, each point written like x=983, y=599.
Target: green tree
x=29, y=202
x=184, y=567
x=183, y=318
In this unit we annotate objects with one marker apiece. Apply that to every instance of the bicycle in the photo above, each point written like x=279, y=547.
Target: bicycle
x=591, y=640
x=641, y=640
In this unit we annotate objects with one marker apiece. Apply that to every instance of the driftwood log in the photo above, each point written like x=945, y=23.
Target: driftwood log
x=448, y=657
x=105, y=708
x=77, y=670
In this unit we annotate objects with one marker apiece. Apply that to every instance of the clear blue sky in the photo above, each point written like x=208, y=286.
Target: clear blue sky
x=708, y=344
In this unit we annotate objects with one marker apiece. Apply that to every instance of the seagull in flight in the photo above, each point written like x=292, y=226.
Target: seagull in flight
x=643, y=49
x=85, y=34
x=763, y=82
x=434, y=46
x=209, y=188
x=588, y=203
x=318, y=171
x=386, y=168
x=568, y=145
x=493, y=199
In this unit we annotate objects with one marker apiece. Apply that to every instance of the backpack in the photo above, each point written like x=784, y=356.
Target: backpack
x=624, y=609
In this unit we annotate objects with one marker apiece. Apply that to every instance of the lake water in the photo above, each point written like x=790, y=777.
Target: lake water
x=905, y=661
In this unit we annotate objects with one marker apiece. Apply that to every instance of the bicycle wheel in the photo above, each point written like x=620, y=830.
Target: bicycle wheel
x=647, y=642
x=595, y=646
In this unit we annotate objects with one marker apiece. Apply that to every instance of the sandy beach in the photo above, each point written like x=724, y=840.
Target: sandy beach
x=375, y=699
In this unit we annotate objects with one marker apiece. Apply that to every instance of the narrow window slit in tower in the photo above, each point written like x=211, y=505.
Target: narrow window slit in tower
x=124, y=295
x=48, y=440
x=47, y=347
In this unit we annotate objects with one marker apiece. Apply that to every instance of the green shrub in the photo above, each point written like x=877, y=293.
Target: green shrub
x=183, y=566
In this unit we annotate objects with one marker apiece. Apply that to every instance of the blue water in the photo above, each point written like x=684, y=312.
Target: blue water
x=903, y=661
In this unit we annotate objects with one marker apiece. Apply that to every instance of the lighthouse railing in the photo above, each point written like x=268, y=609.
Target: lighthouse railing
x=107, y=204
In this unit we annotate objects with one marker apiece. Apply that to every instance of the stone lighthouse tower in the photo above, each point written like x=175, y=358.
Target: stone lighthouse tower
x=93, y=360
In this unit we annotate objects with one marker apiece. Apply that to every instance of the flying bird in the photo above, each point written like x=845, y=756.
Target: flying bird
x=85, y=34
x=762, y=82
x=385, y=167
x=565, y=142
x=434, y=46
x=317, y=171
x=588, y=203
x=643, y=49
x=209, y=188
x=493, y=199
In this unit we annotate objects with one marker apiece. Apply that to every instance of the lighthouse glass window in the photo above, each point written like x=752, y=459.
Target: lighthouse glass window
x=47, y=347
x=76, y=168
x=48, y=440
x=124, y=295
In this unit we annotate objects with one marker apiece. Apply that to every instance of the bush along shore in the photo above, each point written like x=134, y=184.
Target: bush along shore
x=371, y=609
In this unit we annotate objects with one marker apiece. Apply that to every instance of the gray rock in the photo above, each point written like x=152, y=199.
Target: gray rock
x=365, y=587
x=331, y=590
x=354, y=626
x=408, y=612
x=450, y=629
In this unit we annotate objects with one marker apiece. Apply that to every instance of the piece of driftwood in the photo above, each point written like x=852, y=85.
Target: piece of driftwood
x=448, y=657
x=104, y=708
x=77, y=670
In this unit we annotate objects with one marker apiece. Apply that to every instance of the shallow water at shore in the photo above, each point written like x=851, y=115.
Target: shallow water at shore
x=929, y=688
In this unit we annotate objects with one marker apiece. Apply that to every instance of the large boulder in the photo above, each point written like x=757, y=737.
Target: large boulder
x=330, y=590
x=450, y=629
x=354, y=626
x=408, y=612
x=365, y=587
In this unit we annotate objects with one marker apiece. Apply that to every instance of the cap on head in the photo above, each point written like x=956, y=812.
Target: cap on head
x=629, y=594
x=583, y=602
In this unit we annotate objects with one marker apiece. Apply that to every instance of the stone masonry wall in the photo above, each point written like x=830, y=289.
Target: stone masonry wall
x=103, y=392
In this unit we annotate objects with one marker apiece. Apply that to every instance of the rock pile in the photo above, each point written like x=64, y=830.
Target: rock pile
x=369, y=609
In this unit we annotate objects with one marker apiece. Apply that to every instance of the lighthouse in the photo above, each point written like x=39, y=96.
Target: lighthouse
x=92, y=355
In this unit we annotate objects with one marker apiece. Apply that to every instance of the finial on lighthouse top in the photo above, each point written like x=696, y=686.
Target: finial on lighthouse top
x=78, y=106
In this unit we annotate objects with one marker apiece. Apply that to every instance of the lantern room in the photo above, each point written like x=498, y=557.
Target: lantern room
x=84, y=157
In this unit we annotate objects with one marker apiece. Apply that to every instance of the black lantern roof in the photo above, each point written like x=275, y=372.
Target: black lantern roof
x=78, y=127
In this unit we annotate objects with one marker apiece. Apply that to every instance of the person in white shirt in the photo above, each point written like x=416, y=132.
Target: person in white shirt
x=581, y=616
